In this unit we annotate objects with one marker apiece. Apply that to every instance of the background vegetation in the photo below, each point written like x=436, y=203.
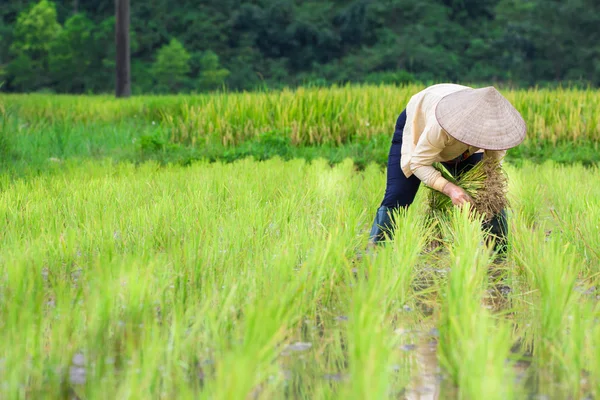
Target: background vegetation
x=353, y=121
x=67, y=46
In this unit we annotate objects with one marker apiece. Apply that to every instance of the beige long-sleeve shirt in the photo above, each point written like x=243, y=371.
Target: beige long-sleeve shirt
x=424, y=142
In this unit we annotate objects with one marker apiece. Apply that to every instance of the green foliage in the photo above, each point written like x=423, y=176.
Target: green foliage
x=390, y=78
x=543, y=34
x=245, y=45
x=72, y=54
x=102, y=77
x=7, y=152
x=211, y=74
x=171, y=67
x=36, y=29
x=33, y=37
x=206, y=282
x=23, y=72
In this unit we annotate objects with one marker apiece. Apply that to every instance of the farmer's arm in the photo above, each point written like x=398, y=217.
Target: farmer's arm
x=430, y=145
x=426, y=152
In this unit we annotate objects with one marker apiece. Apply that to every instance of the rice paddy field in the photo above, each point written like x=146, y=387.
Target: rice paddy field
x=250, y=280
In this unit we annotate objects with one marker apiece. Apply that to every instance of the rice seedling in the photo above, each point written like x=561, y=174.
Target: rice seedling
x=374, y=306
x=593, y=357
x=485, y=183
x=240, y=280
x=472, y=347
x=551, y=268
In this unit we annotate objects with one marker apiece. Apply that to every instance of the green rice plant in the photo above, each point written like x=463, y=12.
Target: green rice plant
x=593, y=355
x=527, y=193
x=485, y=183
x=204, y=278
x=122, y=280
x=551, y=267
x=473, y=347
x=572, y=350
x=40, y=132
x=573, y=217
x=376, y=308
x=333, y=115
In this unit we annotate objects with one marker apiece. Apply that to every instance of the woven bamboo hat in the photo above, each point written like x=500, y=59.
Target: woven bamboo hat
x=481, y=118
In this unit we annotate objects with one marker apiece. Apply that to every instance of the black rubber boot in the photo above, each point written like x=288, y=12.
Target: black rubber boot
x=498, y=229
x=382, y=225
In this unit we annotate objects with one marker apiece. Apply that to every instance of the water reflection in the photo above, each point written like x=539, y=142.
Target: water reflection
x=426, y=381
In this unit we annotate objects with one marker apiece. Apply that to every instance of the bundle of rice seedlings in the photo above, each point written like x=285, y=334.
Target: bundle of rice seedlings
x=486, y=183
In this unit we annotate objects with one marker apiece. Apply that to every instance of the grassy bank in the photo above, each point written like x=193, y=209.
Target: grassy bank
x=242, y=279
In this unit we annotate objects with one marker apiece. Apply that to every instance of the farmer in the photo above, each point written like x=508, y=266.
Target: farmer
x=452, y=124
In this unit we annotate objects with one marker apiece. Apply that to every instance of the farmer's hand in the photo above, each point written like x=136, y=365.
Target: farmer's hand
x=457, y=194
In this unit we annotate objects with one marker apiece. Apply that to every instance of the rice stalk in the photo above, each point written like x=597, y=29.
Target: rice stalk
x=210, y=281
x=309, y=115
x=486, y=183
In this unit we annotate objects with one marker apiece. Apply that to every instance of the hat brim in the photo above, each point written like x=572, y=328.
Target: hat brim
x=481, y=118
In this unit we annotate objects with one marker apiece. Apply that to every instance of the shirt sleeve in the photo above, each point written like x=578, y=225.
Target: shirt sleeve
x=426, y=152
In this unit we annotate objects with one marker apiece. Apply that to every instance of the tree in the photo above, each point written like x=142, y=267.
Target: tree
x=554, y=40
x=72, y=54
x=398, y=37
x=34, y=34
x=171, y=67
x=103, y=69
x=6, y=35
x=211, y=74
x=247, y=44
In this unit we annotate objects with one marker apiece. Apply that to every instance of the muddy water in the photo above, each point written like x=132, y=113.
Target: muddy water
x=320, y=353
x=426, y=373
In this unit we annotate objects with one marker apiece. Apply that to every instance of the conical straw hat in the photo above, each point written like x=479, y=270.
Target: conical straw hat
x=481, y=118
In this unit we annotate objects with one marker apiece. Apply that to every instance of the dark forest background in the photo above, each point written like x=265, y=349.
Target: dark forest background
x=67, y=46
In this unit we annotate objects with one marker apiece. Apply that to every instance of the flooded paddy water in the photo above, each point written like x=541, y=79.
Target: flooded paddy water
x=250, y=280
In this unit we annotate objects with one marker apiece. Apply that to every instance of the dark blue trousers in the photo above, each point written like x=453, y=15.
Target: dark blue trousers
x=400, y=191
